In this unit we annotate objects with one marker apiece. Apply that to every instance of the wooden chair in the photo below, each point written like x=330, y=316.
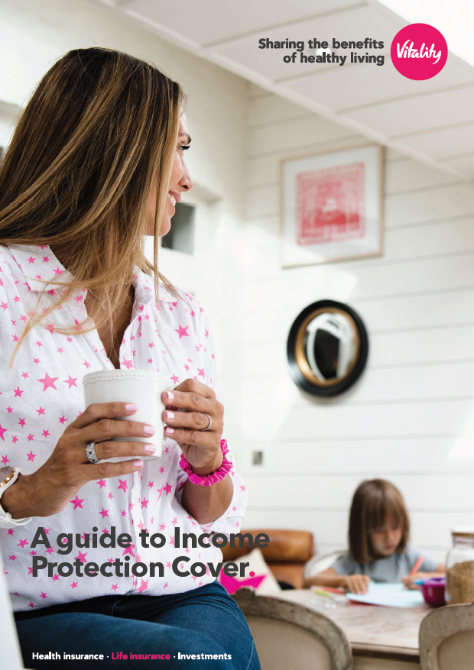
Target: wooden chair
x=286, y=555
x=447, y=639
x=289, y=635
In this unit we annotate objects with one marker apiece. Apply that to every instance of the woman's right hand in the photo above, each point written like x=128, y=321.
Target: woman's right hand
x=357, y=583
x=48, y=490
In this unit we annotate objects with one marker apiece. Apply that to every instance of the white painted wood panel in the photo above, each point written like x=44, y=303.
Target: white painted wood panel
x=410, y=418
x=326, y=420
x=409, y=175
x=464, y=164
x=421, y=113
x=261, y=240
x=268, y=109
x=367, y=283
x=362, y=86
x=375, y=387
x=417, y=348
x=401, y=209
x=429, y=205
x=436, y=493
x=294, y=136
x=364, y=457
x=265, y=170
x=443, y=142
x=381, y=315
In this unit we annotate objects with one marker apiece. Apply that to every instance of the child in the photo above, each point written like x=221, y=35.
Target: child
x=378, y=543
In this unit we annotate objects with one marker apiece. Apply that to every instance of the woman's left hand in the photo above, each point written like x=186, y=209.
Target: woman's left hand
x=200, y=447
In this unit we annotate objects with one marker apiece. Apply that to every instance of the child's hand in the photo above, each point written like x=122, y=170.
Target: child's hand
x=357, y=583
x=409, y=581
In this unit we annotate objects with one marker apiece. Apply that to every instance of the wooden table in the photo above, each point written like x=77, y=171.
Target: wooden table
x=384, y=638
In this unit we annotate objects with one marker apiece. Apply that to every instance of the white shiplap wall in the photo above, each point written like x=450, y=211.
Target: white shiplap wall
x=410, y=418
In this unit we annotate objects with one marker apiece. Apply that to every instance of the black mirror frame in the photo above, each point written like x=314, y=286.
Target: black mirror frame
x=347, y=381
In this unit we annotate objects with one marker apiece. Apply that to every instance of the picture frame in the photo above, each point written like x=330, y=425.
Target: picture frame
x=331, y=206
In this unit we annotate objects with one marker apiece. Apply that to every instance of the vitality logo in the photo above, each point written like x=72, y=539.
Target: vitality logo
x=419, y=51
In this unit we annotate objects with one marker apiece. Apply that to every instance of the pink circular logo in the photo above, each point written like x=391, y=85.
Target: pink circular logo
x=419, y=51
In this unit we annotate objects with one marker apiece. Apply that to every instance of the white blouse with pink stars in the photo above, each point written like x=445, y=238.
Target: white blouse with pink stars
x=42, y=393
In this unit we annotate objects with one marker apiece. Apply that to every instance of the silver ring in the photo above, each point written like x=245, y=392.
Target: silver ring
x=91, y=455
x=203, y=430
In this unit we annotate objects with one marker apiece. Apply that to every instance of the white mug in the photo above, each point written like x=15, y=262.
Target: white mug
x=132, y=386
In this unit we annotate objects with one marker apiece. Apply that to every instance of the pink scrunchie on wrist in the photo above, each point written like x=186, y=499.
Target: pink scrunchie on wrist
x=212, y=477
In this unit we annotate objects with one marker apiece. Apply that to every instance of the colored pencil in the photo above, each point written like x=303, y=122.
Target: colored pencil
x=416, y=566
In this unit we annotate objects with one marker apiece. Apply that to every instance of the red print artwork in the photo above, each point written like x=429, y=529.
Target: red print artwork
x=330, y=204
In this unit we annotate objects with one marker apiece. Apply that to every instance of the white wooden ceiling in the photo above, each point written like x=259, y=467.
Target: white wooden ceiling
x=431, y=120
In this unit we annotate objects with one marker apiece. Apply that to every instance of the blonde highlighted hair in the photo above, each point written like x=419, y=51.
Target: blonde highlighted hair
x=78, y=174
x=375, y=503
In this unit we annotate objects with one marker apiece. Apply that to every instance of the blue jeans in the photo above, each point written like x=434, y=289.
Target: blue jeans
x=205, y=622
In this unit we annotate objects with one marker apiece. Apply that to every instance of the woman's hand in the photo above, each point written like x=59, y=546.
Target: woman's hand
x=357, y=583
x=48, y=490
x=200, y=447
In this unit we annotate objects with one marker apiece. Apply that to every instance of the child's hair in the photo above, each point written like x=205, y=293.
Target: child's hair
x=374, y=502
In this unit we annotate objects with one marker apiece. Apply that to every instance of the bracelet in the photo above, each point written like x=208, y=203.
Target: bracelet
x=212, y=477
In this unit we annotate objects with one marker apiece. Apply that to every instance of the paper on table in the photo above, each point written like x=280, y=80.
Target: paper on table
x=389, y=595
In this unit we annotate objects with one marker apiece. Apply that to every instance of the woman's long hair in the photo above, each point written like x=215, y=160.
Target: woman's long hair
x=79, y=170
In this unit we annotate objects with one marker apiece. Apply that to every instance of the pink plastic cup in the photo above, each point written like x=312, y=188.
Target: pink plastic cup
x=433, y=591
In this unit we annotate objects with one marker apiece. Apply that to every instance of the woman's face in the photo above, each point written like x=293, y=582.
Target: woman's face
x=180, y=181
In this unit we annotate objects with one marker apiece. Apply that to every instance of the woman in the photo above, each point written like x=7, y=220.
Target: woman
x=96, y=163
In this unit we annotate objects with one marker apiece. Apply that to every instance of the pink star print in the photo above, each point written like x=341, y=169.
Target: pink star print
x=123, y=485
x=22, y=543
x=82, y=557
x=18, y=392
x=31, y=456
x=77, y=503
x=114, y=587
x=43, y=595
x=104, y=512
x=2, y=432
x=101, y=483
x=168, y=488
x=40, y=411
x=182, y=331
x=74, y=585
x=126, y=363
x=175, y=379
x=62, y=419
x=48, y=382
x=143, y=586
x=71, y=381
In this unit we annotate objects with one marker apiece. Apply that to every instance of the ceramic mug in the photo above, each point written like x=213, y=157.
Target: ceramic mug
x=138, y=386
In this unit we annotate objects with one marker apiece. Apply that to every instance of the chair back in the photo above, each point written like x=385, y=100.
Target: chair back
x=447, y=639
x=290, y=635
x=10, y=649
x=287, y=553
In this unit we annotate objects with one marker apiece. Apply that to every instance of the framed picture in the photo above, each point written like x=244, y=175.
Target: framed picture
x=331, y=206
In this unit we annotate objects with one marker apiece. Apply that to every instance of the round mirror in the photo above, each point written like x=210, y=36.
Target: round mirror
x=327, y=348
